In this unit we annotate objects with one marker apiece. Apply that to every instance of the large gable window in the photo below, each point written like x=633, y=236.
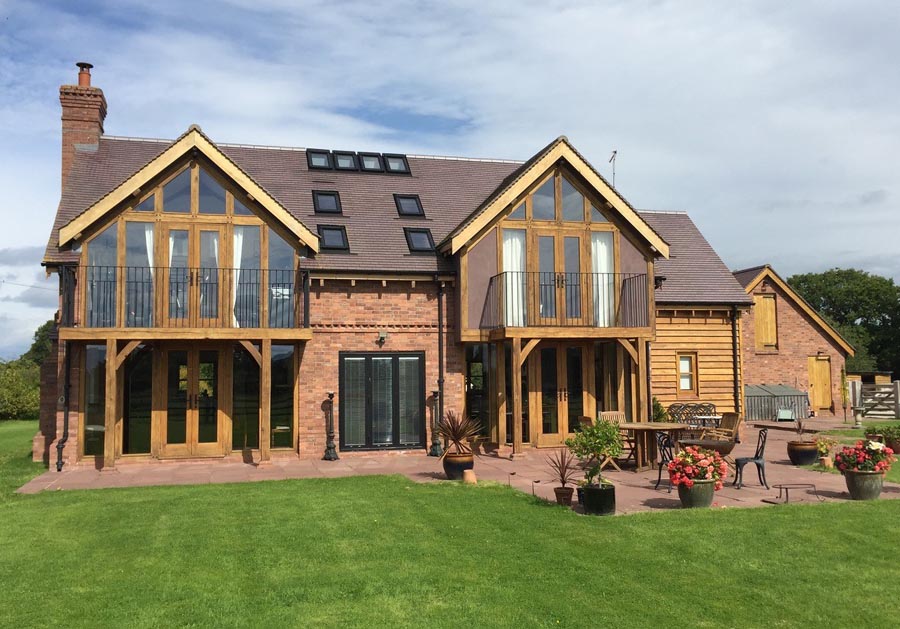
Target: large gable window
x=177, y=193
x=211, y=195
x=543, y=202
x=572, y=202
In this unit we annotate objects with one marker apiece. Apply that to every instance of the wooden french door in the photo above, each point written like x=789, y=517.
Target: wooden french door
x=819, y=382
x=195, y=279
x=192, y=424
x=562, y=389
x=561, y=286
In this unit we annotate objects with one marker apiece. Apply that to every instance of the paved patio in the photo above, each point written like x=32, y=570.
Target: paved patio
x=634, y=491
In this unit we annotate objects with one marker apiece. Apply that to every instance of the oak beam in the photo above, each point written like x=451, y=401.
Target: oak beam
x=265, y=402
x=517, y=397
x=629, y=348
x=126, y=351
x=110, y=411
x=251, y=349
x=643, y=394
x=500, y=391
x=529, y=346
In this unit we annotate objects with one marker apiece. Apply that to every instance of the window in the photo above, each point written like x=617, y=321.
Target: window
x=101, y=278
x=318, y=159
x=94, y=399
x=281, y=282
x=344, y=160
x=211, y=195
x=419, y=239
x=147, y=205
x=240, y=209
x=282, y=400
x=543, y=202
x=396, y=164
x=371, y=162
x=177, y=194
x=333, y=237
x=518, y=214
x=765, y=322
x=597, y=216
x=572, y=202
x=409, y=205
x=687, y=375
x=245, y=400
x=382, y=400
x=326, y=202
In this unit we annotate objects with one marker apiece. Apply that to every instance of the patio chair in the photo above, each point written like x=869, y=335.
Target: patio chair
x=584, y=422
x=628, y=449
x=728, y=430
x=676, y=412
x=664, y=447
x=757, y=459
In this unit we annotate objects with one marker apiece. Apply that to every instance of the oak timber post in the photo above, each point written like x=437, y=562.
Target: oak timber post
x=643, y=397
x=517, y=396
x=112, y=407
x=500, y=391
x=265, y=401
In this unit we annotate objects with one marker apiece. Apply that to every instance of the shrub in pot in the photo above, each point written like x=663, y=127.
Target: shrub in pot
x=802, y=451
x=458, y=431
x=698, y=474
x=824, y=445
x=593, y=444
x=890, y=436
x=565, y=470
x=863, y=466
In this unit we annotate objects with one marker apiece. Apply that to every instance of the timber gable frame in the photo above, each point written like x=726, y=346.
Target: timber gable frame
x=192, y=142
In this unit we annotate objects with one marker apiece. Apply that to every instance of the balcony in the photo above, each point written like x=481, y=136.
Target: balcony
x=520, y=299
x=167, y=298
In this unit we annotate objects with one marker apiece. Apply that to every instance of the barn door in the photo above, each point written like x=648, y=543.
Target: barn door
x=820, y=382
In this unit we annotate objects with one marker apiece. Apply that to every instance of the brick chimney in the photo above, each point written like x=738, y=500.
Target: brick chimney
x=83, y=113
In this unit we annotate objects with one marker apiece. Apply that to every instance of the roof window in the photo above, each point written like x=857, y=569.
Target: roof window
x=370, y=162
x=409, y=205
x=419, y=239
x=396, y=164
x=334, y=237
x=318, y=159
x=326, y=202
x=344, y=160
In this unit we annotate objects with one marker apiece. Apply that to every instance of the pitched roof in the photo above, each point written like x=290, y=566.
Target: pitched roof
x=694, y=272
x=751, y=278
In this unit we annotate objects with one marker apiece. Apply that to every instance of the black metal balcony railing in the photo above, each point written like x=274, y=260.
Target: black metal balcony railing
x=181, y=297
x=524, y=299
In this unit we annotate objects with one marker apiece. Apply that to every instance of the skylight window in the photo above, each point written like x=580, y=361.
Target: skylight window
x=318, y=159
x=396, y=164
x=419, y=239
x=409, y=205
x=344, y=160
x=370, y=162
x=326, y=202
x=334, y=237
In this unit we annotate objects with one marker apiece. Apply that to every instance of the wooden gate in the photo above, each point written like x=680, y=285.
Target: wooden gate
x=881, y=401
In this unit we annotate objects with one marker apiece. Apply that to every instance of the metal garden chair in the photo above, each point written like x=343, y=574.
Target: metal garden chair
x=666, y=454
x=757, y=459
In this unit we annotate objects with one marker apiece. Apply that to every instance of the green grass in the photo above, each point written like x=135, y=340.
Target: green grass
x=383, y=551
x=16, y=466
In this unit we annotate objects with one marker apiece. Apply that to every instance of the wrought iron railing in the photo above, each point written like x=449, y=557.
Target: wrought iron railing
x=182, y=297
x=525, y=299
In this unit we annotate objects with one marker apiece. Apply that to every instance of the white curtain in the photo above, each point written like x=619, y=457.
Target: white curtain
x=171, y=248
x=238, y=253
x=604, y=280
x=148, y=240
x=514, y=277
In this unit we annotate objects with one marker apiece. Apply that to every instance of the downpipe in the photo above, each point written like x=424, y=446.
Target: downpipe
x=61, y=443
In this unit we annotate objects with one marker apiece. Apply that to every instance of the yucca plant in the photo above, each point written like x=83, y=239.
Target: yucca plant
x=458, y=430
x=565, y=467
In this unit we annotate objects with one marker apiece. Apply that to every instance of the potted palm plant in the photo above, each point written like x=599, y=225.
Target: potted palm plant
x=458, y=431
x=593, y=445
x=802, y=451
x=565, y=469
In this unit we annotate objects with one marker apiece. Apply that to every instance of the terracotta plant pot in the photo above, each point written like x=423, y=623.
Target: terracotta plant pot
x=600, y=499
x=875, y=436
x=826, y=462
x=564, y=495
x=894, y=444
x=802, y=452
x=864, y=485
x=456, y=464
x=699, y=496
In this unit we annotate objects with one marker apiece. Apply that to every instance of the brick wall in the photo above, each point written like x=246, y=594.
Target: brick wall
x=83, y=113
x=798, y=338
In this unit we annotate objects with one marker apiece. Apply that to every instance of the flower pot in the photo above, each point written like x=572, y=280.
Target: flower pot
x=456, y=464
x=826, y=462
x=875, y=436
x=894, y=444
x=600, y=499
x=802, y=452
x=864, y=485
x=580, y=492
x=700, y=495
x=564, y=495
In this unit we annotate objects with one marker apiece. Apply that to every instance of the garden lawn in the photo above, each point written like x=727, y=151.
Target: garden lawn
x=384, y=551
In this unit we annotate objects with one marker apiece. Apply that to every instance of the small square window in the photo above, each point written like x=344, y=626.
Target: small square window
x=409, y=205
x=396, y=164
x=370, y=162
x=334, y=237
x=419, y=239
x=326, y=202
x=318, y=159
x=344, y=161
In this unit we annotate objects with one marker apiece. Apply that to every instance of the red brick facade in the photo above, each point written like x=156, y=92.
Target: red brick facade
x=799, y=337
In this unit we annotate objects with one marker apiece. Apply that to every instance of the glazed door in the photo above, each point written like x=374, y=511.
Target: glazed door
x=561, y=368
x=560, y=281
x=194, y=275
x=192, y=425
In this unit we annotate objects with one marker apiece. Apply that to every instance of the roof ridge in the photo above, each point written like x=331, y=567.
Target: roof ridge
x=664, y=212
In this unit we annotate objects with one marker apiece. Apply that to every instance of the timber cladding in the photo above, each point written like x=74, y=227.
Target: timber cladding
x=705, y=333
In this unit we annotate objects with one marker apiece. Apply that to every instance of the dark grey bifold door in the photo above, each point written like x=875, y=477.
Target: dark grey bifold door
x=382, y=400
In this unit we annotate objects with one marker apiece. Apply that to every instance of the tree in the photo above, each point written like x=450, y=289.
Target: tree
x=42, y=344
x=863, y=307
x=20, y=395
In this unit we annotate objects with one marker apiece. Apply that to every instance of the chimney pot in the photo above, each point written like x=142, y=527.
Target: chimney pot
x=84, y=73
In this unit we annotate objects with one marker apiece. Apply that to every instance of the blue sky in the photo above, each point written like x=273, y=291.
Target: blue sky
x=774, y=124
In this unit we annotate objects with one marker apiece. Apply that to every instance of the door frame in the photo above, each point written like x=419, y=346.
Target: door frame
x=193, y=318
x=565, y=423
x=192, y=447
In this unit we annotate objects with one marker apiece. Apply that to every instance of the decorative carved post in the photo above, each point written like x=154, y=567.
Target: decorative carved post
x=436, y=449
x=330, y=451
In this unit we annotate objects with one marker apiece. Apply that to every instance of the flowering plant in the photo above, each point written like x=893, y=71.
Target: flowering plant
x=825, y=444
x=865, y=456
x=693, y=464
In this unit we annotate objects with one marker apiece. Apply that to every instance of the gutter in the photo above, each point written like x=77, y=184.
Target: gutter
x=440, y=335
x=61, y=443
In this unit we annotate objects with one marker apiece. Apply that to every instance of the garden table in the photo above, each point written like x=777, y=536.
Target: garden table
x=645, y=439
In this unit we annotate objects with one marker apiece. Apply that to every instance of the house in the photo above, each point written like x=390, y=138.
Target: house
x=786, y=342
x=221, y=300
